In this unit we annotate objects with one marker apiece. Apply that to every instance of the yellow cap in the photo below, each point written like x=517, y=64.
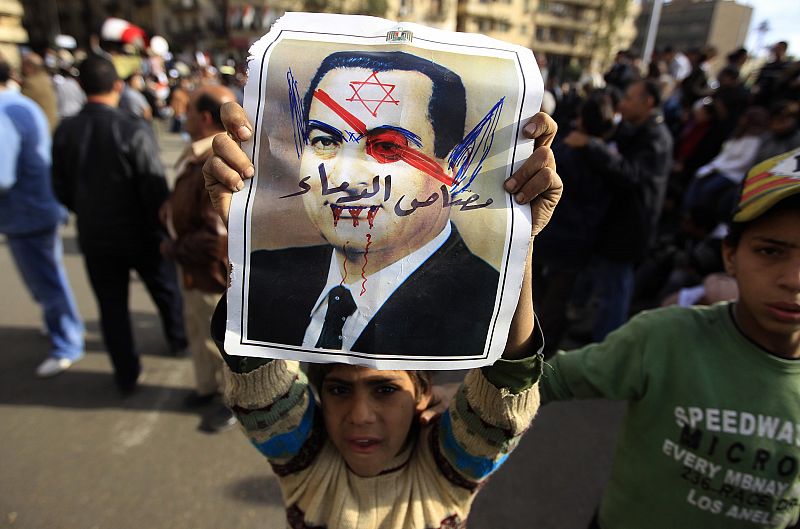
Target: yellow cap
x=768, y=183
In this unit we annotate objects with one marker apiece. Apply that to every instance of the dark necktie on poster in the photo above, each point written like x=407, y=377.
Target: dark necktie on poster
x=340, y=306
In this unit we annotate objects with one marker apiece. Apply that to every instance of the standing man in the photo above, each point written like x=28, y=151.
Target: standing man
x=132, y=99
x=765, y=91
x=106, y=169
x=37, y=85
x=29, y=218
x=622, y=72
x=637, y=176
x=199, y=243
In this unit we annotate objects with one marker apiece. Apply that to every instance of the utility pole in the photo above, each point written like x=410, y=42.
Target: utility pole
x=762, y=29
x=652, y=31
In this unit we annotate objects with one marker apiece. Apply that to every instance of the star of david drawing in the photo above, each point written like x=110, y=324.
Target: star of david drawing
x=372, y=90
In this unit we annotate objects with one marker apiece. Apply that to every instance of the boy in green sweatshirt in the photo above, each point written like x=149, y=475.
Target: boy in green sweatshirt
x=711, y=437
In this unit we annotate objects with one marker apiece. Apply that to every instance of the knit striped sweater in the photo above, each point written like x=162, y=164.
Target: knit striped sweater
x=430, y=485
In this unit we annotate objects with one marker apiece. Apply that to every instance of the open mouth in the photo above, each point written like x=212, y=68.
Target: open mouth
x=363, y=445
x=354, y=214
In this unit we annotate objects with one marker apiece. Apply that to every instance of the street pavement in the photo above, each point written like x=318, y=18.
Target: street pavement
x=76, y=455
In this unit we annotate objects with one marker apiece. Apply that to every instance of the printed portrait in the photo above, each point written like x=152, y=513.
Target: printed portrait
x=377, y=226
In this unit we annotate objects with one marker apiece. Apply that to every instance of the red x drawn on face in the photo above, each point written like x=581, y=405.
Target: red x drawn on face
x=387, y=146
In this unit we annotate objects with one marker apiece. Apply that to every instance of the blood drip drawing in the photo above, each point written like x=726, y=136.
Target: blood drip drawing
x=364, y=267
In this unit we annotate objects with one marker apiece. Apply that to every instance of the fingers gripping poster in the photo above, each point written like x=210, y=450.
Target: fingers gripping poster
x=376, y=230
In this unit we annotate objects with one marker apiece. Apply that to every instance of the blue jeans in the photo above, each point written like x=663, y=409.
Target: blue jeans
x=39, y=261
x=614, y=284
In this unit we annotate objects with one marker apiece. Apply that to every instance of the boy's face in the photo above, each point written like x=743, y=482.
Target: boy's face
x=368, y=415
x=635, y=105
x=766, y=265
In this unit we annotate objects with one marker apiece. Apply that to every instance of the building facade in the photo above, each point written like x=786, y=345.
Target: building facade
x=686, y=24
x=248, y=20
x=574, y=36
x=12, y=33
x=582, y=35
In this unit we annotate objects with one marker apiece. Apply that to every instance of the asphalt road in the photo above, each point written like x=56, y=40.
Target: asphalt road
x=75, y=455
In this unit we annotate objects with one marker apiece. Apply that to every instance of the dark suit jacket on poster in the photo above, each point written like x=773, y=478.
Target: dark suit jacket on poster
x=444, y=308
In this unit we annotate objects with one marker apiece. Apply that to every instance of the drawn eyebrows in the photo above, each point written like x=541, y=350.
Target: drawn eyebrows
x=410, y=136
x=324, y=127
x=314, y=124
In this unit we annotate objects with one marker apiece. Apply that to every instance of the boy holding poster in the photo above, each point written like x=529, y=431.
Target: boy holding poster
x=387, y=225
x=360, y=458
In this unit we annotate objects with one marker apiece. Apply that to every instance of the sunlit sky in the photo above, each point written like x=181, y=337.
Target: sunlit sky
x=783, y=17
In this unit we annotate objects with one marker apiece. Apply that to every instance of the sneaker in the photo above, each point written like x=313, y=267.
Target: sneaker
x=218, y=420
x=53, y=366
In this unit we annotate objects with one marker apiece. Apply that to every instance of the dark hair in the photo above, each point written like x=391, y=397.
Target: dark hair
x=131, y=76
x=207, y=103
x=97, y=75
x=696, y=54
x=597, y=114
x=614, y=93
x=729, y=71
x=422, y=380
x=736, y=229
x=737, y=54
x=752, y=122
x=789, y=107
x=447, y=108
x=651, y=88
x=5, y=71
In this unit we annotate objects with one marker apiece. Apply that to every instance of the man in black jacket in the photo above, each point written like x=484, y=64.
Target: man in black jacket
x=106, y=169
x=637, y=176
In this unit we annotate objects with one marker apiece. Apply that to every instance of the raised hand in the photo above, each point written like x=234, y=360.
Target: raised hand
x=227, y=169
x=537, y=182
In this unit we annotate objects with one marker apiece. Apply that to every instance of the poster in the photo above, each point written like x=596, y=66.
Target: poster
x=376, y=230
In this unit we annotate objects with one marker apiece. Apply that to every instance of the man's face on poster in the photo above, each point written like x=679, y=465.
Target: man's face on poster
x=396, y=138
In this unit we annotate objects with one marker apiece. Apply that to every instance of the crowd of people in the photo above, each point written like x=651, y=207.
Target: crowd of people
x=649, y=190
x=678, y=189
x=103, y=144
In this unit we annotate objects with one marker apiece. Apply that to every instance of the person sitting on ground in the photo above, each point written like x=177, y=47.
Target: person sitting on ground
x=565, y=248
x=712, y=289
x=132, y=99
x=731, y=97
x=714, y=184
x=710, y=436
x=784, y=130
x=360, y=458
